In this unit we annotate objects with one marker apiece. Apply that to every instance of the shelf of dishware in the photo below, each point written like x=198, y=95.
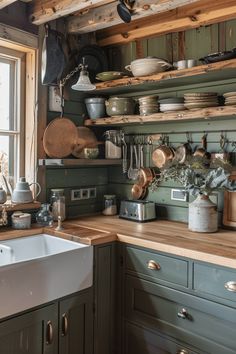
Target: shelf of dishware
x=78, y=162
x=185, y=115
x=222, y=70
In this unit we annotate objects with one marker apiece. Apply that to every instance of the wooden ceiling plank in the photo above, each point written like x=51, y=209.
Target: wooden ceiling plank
x=199, y=14
x=106, y=16
x=43, y=11
x=4, y=3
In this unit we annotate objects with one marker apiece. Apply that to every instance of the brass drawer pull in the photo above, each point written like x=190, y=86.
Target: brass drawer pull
x=182, y=351
x=64, y=330
x=49, y=333
x=153, y=265
x=183, y=314
x=231, y=286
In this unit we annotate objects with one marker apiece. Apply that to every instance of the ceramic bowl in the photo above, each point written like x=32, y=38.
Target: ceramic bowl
x=147, y=66
x=95, y=107
x=118, y=106
x=109, y=75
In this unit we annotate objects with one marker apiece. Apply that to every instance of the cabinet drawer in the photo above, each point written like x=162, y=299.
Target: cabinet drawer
x=215, y=281
x=139, y=340
x=203, y=324
x=165, y=268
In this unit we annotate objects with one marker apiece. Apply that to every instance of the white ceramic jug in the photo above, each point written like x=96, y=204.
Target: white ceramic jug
x=22, y=192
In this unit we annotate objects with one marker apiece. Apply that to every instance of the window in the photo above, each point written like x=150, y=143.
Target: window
x=12, y=113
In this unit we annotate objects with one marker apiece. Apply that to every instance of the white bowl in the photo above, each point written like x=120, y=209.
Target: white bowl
x=147, y=66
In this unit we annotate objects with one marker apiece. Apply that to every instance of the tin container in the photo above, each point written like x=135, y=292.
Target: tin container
x=203, y=215
x=20, y=220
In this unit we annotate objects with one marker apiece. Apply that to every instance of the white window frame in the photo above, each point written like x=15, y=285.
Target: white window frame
x=16, y=60
x=27, y=44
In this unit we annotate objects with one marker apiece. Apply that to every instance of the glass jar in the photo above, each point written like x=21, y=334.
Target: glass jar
x=58, y=204
x=113, y=144
x=110, y=207
x=44, y=216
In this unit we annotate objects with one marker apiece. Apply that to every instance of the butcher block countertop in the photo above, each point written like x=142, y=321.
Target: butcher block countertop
x=165, y=236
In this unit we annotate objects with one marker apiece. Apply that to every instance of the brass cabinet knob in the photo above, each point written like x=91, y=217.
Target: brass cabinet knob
x=183, y=314
x=153, y=265
x=182, y=351
x=231, y=286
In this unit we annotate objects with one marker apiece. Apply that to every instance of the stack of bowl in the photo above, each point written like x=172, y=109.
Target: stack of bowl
x=230, y=98
x=197, y=100
x=148, y=105
x=172, y=104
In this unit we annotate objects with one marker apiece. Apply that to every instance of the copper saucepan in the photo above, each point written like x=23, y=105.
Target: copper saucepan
x=145, y=176
x=161, y=155
x=138, y=192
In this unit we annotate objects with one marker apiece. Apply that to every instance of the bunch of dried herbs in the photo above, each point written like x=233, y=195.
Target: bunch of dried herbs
x=197, y=175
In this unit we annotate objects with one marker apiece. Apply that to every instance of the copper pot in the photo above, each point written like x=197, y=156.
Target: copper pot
x=161, y=155
x=138, y=192
x=145, y=176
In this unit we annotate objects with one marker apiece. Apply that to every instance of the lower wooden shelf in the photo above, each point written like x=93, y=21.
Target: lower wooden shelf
x=186, y=115
x=78, y=162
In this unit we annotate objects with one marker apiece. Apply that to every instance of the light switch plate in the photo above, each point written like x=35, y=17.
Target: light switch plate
x=54, y=99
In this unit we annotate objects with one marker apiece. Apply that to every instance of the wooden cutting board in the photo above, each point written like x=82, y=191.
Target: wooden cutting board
x=60, y=138
x=229, y=215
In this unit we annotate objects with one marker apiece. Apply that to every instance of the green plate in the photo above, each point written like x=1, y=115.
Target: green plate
x=109, y=75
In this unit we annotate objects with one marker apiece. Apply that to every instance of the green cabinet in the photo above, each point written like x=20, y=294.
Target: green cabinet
x=32, y=333
x=175, y=305
x=64, y=327
x=76, y=324
x=105, y=301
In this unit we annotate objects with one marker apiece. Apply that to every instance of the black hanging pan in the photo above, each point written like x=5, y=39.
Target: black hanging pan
x=123, y=12
x=53, y=57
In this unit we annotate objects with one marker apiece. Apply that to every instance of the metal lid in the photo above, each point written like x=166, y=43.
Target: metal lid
x=59, y=190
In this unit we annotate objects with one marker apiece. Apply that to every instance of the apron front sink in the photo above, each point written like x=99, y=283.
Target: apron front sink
x=38, y=269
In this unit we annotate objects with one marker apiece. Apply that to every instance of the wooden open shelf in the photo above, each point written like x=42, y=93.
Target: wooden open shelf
x=199, y=74
x=195, y=114
x=23, y=206
x=79, y=162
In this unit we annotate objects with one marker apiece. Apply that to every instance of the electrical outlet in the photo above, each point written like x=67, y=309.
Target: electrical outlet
x=179, y=194
x=85, y=193
x=92, y=192
x=76, y=194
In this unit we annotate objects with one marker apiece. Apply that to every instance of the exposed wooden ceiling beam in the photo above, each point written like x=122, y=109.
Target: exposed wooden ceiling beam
x=43, y=11
x=107, y=16
x=198, y=14
x=4, y=3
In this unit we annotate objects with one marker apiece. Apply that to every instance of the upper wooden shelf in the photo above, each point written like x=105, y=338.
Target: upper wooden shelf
x=195, y=114
x=203, y=73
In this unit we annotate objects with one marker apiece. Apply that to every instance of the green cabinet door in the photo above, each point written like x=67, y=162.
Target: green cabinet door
x=76, y=324
x=32, y=333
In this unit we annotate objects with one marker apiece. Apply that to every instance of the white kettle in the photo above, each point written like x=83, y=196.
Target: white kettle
x=22, y=192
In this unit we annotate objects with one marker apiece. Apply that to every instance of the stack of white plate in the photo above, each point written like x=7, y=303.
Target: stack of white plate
x=172, y=104
x=197, y=100
x=230, y=98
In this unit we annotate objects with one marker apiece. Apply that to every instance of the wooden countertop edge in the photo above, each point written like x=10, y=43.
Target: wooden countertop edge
x=179, y=251
x=99, y=230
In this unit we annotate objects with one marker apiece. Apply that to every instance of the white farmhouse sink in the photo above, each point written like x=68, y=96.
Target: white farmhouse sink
x=37, y=269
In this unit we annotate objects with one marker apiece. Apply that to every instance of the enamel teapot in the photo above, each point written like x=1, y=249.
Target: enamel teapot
x=22, y=192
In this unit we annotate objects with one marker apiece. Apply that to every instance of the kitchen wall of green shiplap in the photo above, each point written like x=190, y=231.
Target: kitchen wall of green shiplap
x=198, y=42
x=77, y=178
